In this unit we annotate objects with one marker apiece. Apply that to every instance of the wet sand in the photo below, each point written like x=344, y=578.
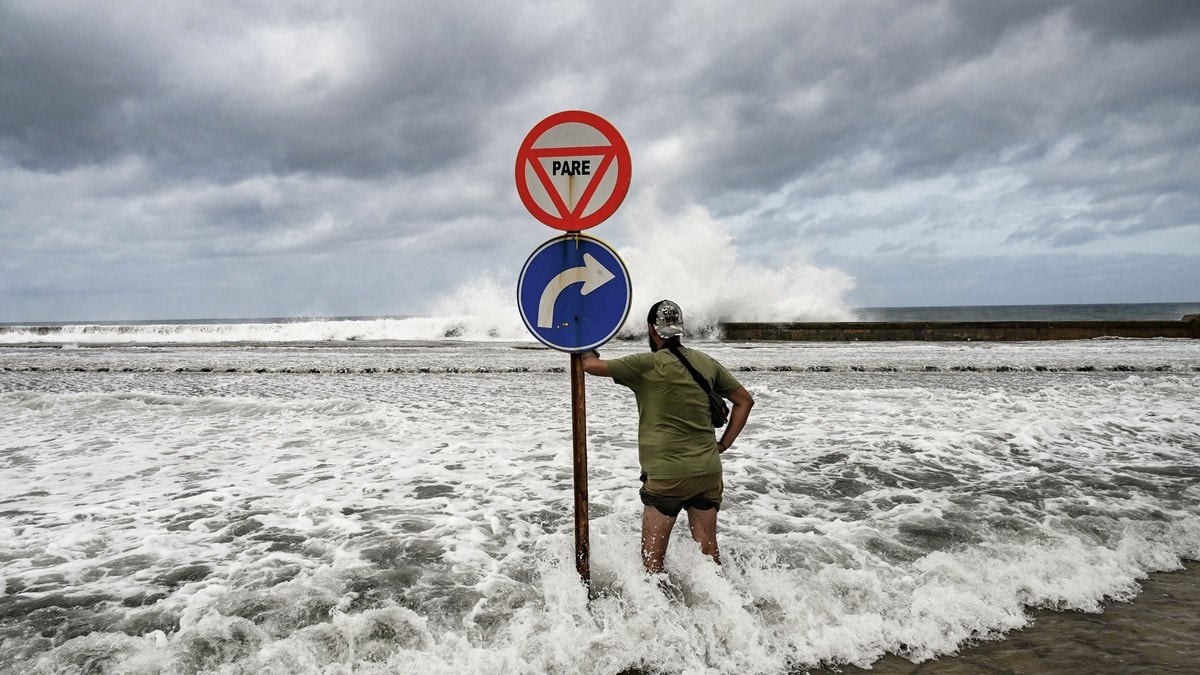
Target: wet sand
x=1159, y=632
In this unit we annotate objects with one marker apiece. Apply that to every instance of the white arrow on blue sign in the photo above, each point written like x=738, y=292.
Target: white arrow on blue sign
x=574, y=293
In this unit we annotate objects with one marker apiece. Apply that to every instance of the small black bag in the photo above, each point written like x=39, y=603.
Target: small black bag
x=716, y=405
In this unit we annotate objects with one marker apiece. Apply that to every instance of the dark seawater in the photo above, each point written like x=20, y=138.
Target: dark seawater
x=1159, y=311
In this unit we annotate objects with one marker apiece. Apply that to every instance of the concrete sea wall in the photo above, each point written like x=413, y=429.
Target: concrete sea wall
x=982, y=331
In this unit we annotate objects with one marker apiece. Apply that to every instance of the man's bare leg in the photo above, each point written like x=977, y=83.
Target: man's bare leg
x=703, y=524
x=656, y=534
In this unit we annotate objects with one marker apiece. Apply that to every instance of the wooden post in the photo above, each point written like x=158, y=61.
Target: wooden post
x=579, y=441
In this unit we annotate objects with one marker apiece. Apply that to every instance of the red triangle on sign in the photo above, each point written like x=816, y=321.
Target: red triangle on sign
x=606, y=153
x=573, y=170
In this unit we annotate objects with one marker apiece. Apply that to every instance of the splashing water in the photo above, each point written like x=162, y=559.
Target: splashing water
x=693, y=259
x=483, y=306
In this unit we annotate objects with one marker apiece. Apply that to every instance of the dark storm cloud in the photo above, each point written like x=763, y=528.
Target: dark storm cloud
x=238, y=91
x=135, y=137
x=914, y=92
x=762, y=97
x=1137, y=20
x=768, y=95
x=64, y=106
x=927, y=88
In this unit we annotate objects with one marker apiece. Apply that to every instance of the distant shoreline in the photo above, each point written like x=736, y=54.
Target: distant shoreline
x=52, y=337
x=1137, y=311
x=919, y=324
x=959, y=331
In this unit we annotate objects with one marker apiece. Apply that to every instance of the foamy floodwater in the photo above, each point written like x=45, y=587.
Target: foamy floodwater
x=407, y=507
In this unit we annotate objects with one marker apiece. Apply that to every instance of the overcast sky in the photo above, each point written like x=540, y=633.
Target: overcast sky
x=241, y=159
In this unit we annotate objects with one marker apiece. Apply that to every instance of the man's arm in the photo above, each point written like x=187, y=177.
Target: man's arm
x=742, y=403
x=594, y=365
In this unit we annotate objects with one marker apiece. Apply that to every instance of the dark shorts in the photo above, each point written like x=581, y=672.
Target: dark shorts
x=673, y=495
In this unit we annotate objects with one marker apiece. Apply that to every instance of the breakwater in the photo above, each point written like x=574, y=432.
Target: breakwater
x=959, y=331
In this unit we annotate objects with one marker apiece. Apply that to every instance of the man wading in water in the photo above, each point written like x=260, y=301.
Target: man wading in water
x=677, y=446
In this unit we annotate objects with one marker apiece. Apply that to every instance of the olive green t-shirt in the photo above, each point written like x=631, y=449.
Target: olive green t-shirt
x=675, y=432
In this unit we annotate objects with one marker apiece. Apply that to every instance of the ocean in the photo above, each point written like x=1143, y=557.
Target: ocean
x=394, y=495
x=1158, y=311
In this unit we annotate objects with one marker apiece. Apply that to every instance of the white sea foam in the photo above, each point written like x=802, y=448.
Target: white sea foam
x=421, y=520
x=451, y=325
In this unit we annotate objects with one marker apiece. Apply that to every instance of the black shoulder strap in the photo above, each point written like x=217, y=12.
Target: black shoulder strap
x=692, y=369
x=716, y=404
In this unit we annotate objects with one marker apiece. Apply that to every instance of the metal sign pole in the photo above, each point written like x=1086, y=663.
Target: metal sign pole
x=579, y=439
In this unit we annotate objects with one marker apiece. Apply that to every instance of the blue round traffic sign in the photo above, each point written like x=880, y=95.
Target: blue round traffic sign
x=574, y=293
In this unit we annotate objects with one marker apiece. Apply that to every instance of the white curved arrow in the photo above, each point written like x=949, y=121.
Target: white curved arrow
x=592, y=275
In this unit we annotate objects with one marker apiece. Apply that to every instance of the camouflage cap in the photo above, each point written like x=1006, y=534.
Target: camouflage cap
x=668, y=319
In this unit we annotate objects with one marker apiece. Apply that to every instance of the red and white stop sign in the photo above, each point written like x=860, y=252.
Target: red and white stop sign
x=573, y=170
